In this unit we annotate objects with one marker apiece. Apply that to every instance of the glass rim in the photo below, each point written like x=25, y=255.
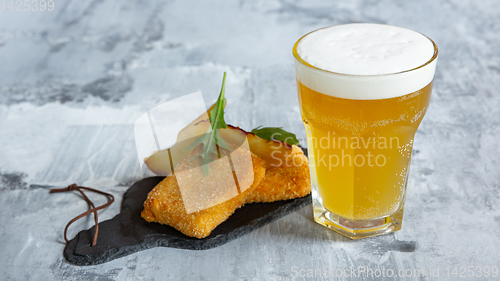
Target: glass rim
x=302, y=61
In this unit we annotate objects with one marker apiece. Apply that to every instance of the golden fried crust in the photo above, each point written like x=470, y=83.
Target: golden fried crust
x=164, y=205
x=289, y=180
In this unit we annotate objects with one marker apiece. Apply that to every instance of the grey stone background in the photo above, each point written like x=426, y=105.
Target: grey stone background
x=74, y=80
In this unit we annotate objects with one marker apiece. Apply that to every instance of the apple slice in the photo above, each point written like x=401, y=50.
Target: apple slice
x=273, y=152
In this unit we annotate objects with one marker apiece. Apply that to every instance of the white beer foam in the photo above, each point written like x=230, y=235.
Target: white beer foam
x=365, y=61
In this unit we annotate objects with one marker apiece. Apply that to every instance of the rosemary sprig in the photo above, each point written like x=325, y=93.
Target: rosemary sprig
x=212, y=138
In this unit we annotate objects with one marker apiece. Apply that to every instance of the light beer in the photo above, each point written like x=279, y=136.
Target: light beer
x=363, y=91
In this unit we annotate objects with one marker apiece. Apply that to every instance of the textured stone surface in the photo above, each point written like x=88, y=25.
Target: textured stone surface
x=74, y=80
x=128, y=232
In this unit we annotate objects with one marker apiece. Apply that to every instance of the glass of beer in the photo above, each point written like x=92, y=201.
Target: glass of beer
x=363, y=91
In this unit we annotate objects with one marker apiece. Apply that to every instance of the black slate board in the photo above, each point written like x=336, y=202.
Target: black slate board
x=128, y=232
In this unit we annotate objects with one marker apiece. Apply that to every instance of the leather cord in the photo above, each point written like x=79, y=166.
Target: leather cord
x=93, y=209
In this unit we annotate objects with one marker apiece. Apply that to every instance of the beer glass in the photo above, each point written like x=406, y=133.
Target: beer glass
x=363, y=90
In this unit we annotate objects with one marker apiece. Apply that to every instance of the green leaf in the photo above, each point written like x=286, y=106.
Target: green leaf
x=277, y=133
x=212, y=138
